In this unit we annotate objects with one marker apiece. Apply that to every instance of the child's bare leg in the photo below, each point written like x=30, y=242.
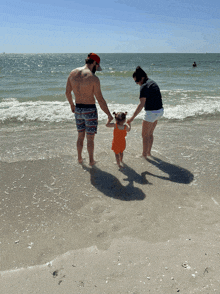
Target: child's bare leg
x=117, y=156
x=121, y=156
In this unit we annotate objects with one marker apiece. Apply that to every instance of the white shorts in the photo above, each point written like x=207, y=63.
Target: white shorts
x=153, y=115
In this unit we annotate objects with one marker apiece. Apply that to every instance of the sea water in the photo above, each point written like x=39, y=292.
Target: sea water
x=33, y=102
x=32, y=97
x=32, y=86
x=36, y=123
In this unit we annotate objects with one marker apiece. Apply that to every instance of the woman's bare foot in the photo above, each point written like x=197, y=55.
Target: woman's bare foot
x=92, y=163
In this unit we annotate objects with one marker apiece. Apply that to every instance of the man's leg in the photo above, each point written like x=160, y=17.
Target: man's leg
x=81, y=136
x=90, y=148
x=147, y=135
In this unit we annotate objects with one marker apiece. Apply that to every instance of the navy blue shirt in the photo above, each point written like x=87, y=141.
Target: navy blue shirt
x=151, y=92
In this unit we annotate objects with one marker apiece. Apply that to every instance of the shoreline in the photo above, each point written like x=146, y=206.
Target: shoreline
x=55, y=209
x=128, y=265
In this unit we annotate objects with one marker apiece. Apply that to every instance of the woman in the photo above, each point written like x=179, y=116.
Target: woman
x=151, y=100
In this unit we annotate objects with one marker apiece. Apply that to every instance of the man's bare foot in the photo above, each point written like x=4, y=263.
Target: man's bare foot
x=80, y=161
x=92, y=163
x=144, y=155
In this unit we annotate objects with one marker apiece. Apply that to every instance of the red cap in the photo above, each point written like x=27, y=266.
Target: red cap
x=96, y=58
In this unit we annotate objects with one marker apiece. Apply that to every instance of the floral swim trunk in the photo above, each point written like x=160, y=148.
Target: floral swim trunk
x=86, y=117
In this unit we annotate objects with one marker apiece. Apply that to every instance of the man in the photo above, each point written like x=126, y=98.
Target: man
x=86, y=86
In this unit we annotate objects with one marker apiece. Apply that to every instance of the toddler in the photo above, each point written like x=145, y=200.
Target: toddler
x=119, y=134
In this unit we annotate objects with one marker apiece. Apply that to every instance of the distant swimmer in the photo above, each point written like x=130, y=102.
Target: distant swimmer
x=194, y=64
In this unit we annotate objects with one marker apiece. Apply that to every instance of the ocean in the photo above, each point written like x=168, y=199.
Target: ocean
x=32, y=96
x=37, y=126
x=33, y=85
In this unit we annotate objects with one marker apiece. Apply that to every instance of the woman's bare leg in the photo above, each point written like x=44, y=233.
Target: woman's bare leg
x=151, y=138
x=147, y=136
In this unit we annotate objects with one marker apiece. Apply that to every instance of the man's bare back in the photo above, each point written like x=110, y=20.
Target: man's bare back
x=82, y=82
x=85, y=86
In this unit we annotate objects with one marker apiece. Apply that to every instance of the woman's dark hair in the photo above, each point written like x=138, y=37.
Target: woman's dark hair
x=120, y=116
x=139, y=74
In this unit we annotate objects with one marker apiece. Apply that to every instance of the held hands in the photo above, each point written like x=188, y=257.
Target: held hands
x=109, y=124
x=110, y=118
x=129, y=121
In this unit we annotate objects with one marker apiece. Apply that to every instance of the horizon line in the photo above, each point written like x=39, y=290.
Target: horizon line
x=110, y=52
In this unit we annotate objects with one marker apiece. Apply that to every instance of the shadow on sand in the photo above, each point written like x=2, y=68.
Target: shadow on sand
x=175, y=173
x=112, y=187
x=132, y=176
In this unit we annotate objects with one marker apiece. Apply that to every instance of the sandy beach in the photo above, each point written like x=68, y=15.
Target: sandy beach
x=152, y=227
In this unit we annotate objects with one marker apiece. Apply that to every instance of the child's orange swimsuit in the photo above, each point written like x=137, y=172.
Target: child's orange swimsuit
x=119, y=143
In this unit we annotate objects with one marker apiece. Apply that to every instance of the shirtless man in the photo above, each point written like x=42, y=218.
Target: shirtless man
x=85, y=85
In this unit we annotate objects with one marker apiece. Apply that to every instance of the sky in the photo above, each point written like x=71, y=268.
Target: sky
x=120, y=26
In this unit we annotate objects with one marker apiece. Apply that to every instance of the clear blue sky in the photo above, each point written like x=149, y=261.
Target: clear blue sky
x=138, y=26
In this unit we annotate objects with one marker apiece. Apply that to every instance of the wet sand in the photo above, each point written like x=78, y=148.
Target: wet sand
x=70, y=228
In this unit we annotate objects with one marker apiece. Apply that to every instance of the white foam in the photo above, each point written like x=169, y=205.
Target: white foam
x=192, y=110
x=47, y=111
x=59, y=111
